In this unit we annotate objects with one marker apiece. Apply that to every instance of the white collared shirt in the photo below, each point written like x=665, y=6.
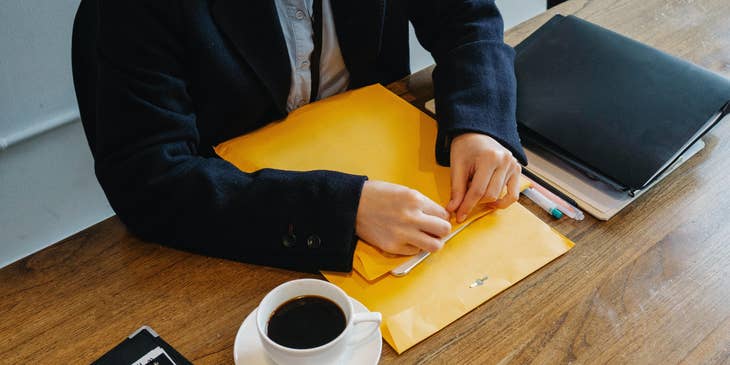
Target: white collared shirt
x=295, y=17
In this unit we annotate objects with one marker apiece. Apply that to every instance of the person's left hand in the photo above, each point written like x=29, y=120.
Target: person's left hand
x=480, y=169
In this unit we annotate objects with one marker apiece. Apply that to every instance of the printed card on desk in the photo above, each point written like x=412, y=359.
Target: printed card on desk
x=143, y=347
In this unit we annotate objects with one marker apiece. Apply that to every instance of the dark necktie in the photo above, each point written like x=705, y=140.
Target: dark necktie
x=317, y=51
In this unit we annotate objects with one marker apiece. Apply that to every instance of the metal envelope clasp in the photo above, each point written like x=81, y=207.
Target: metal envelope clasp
x=478, y=282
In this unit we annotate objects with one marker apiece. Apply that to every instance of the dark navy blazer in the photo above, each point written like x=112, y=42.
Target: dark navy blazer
x=159, y=82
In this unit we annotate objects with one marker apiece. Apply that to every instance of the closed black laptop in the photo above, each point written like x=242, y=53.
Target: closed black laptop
x=614, y=108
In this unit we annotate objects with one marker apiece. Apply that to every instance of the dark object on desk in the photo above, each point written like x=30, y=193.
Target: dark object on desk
x=551, y=3
x=616, y=109
x=142, y=347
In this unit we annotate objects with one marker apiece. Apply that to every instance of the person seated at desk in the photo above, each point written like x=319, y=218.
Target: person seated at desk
x=160, y=82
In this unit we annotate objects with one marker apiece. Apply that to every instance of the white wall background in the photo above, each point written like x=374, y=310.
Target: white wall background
x=47, y=187
x=513, y=12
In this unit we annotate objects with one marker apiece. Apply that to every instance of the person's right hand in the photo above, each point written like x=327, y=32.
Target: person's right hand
x=400, y=220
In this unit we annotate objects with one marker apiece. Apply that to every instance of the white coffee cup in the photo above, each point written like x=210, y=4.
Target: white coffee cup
x=329, y=353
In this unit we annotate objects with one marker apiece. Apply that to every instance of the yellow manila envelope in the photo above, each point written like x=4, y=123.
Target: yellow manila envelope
x=487, y=257
x=371, y=131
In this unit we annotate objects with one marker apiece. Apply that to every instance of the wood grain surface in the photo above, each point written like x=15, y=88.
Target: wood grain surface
x=648, y=287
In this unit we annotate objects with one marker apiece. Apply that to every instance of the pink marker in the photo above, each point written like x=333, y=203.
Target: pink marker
x=563, y=206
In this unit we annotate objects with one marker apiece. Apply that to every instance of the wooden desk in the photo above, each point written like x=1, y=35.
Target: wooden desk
x=650, y=286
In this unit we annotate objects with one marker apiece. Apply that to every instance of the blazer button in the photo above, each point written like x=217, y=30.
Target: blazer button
x=314, y=241
x=289, y=240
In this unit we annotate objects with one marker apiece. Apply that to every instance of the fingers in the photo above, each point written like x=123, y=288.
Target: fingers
x=424, y=241
x=477, y=188
x=426, y=233
x=434, y=226
x=513, y=188
x=429, y=224
x=404, y=249
x=459, y=180
x=496, y=184
x=400, y=220
x=431, y=208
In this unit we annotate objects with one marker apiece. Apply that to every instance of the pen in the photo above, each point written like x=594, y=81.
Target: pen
x=544, y=203
x=565, y=207
x=534, y=179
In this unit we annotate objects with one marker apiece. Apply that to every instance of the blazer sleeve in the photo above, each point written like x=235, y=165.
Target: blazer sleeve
x=474, y=80
x=147, y=161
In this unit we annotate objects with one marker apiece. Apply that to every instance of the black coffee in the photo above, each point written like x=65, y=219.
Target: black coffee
x=306, y=322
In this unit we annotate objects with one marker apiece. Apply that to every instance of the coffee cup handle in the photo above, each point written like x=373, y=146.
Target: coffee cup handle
x=365, y=317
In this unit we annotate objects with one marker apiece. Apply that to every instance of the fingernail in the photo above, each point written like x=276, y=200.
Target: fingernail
x=462, y=218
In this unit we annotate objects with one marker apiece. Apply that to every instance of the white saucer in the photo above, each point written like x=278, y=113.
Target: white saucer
x=247, y=349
